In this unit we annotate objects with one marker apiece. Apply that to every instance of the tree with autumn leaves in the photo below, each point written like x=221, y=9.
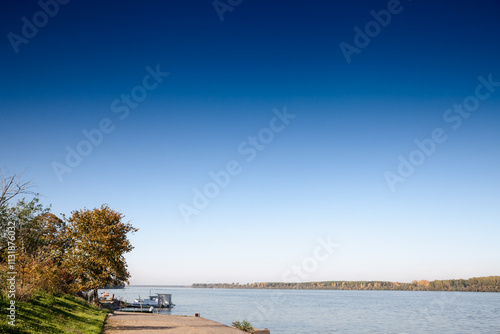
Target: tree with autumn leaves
x=98, y=241
x=84, y=251
x=39, y=246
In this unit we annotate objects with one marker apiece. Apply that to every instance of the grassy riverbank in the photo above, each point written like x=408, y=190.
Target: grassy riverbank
x=53, y=314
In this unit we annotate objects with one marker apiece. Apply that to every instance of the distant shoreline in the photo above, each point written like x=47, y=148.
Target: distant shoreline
x=160, y=285
x=476, y=284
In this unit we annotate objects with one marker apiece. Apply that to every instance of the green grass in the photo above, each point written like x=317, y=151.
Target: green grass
x=53, y=314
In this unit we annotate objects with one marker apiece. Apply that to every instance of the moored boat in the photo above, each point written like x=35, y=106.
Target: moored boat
x=161, y=300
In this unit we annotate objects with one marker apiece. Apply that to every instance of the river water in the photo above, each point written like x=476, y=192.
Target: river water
x=327, y=311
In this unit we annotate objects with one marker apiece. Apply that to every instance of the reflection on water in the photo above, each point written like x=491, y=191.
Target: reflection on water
x=322, y=312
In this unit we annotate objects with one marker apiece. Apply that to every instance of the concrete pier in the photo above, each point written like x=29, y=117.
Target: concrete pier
x=130, y=323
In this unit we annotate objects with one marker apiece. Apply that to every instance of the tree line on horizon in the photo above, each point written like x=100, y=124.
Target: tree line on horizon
x=477, y=284
x=42, y=252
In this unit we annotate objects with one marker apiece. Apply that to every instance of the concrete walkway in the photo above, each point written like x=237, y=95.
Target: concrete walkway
x=129, y=323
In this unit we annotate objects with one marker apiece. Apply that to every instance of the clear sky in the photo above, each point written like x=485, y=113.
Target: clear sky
x=373, y=125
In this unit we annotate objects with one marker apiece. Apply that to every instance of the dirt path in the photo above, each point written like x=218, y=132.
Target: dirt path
x=129, y=323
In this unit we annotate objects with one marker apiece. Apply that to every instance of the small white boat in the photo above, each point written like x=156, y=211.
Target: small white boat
x=161, y=300
x=145, y=302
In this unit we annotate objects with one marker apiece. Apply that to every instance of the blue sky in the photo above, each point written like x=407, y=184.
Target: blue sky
x=323, y=175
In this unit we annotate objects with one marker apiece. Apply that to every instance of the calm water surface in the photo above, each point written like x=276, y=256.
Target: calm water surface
x=322, y=312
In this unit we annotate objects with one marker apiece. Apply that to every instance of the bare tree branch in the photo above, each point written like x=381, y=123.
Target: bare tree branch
x=12, y=185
